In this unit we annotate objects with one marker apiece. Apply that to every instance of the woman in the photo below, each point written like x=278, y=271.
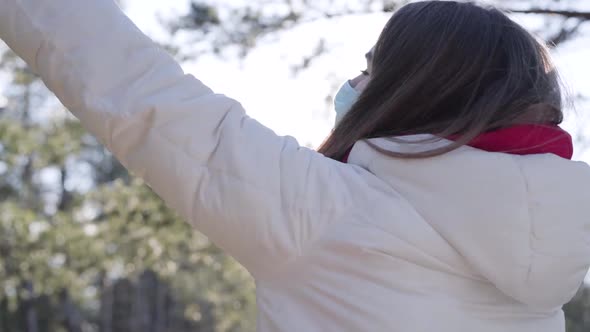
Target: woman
x=444, y=200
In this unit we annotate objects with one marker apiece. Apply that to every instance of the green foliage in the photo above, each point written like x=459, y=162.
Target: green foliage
x=56, y=240
x=577, y=312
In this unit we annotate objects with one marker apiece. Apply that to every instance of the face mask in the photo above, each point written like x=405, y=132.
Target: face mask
x=345, y=98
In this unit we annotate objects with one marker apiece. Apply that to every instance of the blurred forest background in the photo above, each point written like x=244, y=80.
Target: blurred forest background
x=87, y=247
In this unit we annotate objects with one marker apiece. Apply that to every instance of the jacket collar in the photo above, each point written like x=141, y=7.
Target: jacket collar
x=527, y=139
x=521, y=140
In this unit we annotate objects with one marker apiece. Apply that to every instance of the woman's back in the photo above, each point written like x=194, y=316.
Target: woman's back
x=474, y=240
x=470, y=241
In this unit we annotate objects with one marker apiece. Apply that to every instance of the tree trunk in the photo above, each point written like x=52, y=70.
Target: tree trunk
x=30, y=311
x=72, y=317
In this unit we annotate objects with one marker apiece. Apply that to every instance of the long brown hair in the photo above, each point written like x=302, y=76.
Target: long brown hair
x=451, y=69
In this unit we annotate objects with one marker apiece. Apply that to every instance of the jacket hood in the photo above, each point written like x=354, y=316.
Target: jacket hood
x=520, y=221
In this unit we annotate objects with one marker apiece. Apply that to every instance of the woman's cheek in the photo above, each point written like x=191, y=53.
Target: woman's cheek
x=362, y=84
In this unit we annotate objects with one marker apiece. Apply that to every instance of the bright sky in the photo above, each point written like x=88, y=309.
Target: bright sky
x=297, y=105
x=264, y=83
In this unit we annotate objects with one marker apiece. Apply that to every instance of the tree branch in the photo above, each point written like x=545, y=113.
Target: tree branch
x=564, y=13
x=563, y=35
x=565, y=32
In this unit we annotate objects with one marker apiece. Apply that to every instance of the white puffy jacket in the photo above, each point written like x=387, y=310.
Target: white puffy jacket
x=468, y=241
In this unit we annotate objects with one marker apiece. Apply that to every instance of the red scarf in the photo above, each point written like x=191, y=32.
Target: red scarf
x=523, y=140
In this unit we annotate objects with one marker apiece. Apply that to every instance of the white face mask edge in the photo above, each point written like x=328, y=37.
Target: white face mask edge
x=344, y=99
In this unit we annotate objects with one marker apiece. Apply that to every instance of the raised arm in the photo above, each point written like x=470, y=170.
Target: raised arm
x=261, y=197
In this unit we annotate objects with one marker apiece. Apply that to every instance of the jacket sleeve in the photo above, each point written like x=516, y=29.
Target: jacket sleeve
x=260, y=197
